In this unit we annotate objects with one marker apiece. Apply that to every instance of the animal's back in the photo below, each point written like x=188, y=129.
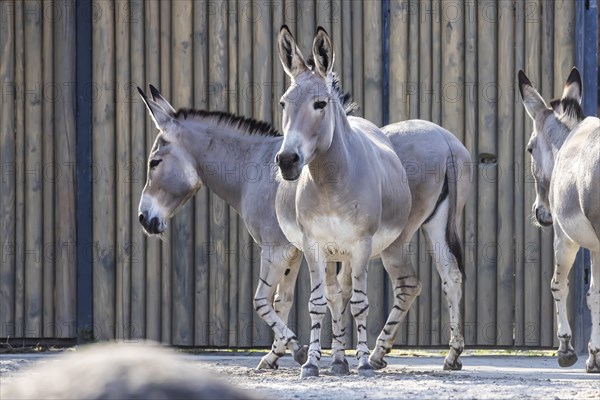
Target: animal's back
x=575, y=189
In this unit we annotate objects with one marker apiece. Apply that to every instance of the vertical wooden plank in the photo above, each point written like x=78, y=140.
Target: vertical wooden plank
x=276, y=86
x=345, y=63
x=235, y=222
x=398, y=77
x=335, y=20
x=422, y=86
x=33, y=242
x=398, y=108
x=373, y=112
x=122, y=160
x=49, y=176
x=20, y=165
x=471, y=132
x=452, y=88
x=9, y=176
x=410, y=91
x=245, y=331
x=166, y=260
x=152, y=62
x=564, y=60
x=183, y=229
x=263, y=39
x=532, y=247
x=519, y=162
x=134, y=173
x=201, y=313
x=438, y=310
x=104, y=186
x=357, y=54
x=506, y=269
x=487, y=197
x=219, y=217
x=547, y=332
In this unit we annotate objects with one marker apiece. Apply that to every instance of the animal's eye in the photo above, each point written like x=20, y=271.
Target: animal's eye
x=282, y=104
x=319, y=105
x=154, y=163
x=530, y=150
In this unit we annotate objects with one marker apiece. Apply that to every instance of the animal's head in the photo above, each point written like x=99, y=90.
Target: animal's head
x=172, y=176
x=551, y=125
x=308, y=104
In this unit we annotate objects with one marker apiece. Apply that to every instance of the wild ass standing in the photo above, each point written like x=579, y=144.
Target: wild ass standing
x=351, y=204
x=224, y=139
x=565, y=162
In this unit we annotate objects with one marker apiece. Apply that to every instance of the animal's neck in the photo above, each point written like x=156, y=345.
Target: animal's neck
x=229, y=161
x=329, y=167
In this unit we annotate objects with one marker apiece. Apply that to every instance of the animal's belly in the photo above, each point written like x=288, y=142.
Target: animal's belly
x=337, y=237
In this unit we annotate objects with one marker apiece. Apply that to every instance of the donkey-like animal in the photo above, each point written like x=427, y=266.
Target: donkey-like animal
x=194, y=141
x=352, y=202
x=565, y=154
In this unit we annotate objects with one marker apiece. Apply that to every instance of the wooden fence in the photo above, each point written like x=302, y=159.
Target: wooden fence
x=453, y=62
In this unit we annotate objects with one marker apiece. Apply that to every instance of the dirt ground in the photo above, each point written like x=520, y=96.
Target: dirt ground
x=408, y=375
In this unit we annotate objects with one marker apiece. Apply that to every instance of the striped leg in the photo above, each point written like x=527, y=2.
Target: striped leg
x=592, y=364
x=337, y=305
x=273, y=264
x=564, y=255
x=447, y=267
x=359, y=303
x=406, y=289
x=282, y=304
x=317, y=306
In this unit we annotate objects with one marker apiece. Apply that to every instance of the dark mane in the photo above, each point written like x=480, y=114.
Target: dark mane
x=568, y=111
x=247, y=126
x=344, y=98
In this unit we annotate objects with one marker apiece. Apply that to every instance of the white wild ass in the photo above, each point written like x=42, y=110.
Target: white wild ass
x=565, y=154
x=352, y=203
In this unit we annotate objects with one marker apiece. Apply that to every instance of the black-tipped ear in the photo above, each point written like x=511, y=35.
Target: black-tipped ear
x=573, y=86
x=533, y=102
x=523, y=80
x=323, y=52
x=157, y=97
x=289, y=54
x=162, y=119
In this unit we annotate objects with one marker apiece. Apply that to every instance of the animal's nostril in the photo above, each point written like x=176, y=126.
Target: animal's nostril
x=277, y=158
x=141, y=218
x=295, y=158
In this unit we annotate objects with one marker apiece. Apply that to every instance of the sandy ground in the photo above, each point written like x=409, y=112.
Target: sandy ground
x=407, y=376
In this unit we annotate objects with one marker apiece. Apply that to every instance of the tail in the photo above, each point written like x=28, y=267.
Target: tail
x=452, y=237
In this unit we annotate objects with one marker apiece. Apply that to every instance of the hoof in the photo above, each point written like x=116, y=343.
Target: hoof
x=301, y=355
x=592, y=364
x=378, y=364
x=566, y=359
x=339, y=367
x=309, y=370
x=264, y=364
x=366, y=370
x=455, y=366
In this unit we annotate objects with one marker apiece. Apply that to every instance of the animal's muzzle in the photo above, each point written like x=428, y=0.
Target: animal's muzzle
x=543, y=218
x=289, y=164
x=151, y=225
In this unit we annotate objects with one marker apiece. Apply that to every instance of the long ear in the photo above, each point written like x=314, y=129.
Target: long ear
x=323, y=52
x=157, y=97
x=289, y=54
x=161, y=118
x=533, y=102
x=573, y=86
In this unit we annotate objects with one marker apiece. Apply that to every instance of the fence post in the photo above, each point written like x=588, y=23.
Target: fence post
x=586, y=57
x=83, y=198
